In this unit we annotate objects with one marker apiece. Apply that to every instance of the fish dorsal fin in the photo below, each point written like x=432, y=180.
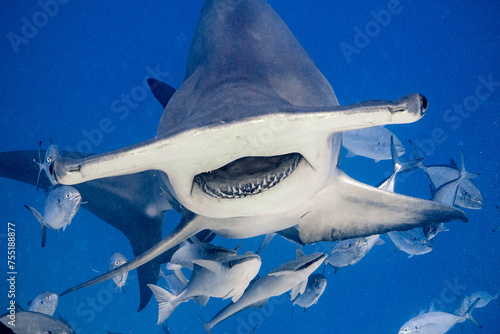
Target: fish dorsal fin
x=161, y=91
x=432, y=308
x=453, y=164
x=213, y=266
x=298, y=289
x=379, y=241
x=265, y=242
x=415, y=152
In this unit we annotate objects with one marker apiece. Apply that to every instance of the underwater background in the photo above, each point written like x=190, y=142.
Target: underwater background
x=62, y=81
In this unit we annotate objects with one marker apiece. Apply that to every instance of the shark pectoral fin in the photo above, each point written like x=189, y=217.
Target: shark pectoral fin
x=298, y=289
x=188, y=227
x=347, y=208
x=213, y=266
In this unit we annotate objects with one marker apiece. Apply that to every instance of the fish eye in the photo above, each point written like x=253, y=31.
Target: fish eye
x=47, y=297
x=68, y=194
x=117, y=262
x=49, y=159
x=230, y=264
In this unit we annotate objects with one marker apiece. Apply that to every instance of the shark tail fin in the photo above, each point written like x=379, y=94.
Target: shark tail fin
x=39, y=217
x=166, y=302
x=377, y=212
x=468, y=314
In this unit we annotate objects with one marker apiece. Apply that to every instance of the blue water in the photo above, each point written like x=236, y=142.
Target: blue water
x=62, y=83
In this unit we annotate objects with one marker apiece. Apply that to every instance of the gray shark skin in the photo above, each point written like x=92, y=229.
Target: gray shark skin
x=140, y=197
x=246, y=76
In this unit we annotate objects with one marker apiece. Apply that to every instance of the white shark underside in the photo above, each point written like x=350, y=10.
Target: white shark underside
x=251, y=139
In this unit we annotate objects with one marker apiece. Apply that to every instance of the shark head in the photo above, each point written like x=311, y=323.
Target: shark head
x=249, y=124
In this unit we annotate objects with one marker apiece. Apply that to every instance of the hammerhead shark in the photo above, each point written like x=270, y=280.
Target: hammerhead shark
x=249, y=144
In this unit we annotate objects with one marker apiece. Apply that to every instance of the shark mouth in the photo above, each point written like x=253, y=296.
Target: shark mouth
x=247, y=176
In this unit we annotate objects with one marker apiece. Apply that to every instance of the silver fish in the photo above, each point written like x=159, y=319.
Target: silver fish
x=446, y=195
x=35, y=323
x=468, y=195
x=45, y=303
x=116, y=260
x=222, y=279
x=412, y=242
x=51, y=154
x=351, y=251
x=373, y=143
x=291, y=275
x=61, y=206
x=436, y=322
x=188, y=252
x=484, y=299
x=316, y=285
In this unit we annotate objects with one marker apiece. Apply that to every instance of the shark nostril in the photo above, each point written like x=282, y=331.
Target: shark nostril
x=423, y=103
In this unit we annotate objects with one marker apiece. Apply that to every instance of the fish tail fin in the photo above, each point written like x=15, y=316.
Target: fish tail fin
x=468, y=314
x=39, y=163
x=39, y=217
x=202, y=300
x=496, y=297
x=207, y=325
x=403, y=166
x=166, y=302
x=35, y=213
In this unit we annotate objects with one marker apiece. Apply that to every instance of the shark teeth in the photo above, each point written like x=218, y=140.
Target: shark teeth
x=247, y=176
